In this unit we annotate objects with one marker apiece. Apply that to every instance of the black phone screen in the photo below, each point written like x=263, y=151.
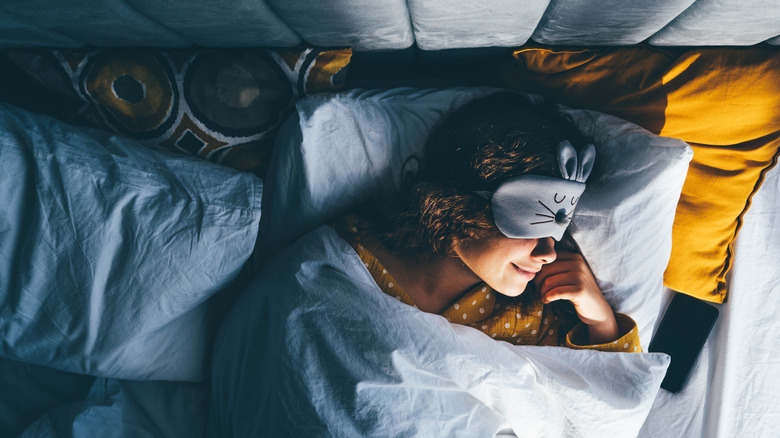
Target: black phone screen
x=681, y=334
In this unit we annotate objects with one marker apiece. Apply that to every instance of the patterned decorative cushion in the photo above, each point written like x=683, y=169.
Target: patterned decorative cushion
x=222, y=105
x=722, y=101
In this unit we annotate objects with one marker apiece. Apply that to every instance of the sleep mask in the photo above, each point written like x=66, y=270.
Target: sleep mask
x=533, y=206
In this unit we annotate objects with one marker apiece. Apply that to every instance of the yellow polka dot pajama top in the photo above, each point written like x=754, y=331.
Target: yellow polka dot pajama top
x=503, y=318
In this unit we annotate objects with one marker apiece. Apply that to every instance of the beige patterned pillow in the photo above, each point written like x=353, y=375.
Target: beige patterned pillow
x=222, y=105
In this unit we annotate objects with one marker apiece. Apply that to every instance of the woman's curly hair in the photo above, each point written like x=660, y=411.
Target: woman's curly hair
x=474, y=148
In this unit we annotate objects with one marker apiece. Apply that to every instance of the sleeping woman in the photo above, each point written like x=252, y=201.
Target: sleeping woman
x=472, y=236
x=313, y=346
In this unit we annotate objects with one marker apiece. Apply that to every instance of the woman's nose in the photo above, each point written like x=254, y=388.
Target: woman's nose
x=544, y=252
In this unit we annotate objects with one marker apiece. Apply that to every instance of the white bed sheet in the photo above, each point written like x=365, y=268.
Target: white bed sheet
x=314, y=348
x=734, y=389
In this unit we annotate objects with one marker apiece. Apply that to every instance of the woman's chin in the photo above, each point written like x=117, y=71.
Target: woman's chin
x=512, y=291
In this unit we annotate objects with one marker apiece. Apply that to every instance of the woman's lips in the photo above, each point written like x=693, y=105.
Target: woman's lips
x=527, y=274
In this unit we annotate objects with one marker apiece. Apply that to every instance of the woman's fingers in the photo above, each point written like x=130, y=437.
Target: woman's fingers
x=562, y=276
x=568, y=292
x=569, y=278
x=566, y=262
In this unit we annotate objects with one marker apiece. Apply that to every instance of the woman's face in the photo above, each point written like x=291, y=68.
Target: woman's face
x=506, y=265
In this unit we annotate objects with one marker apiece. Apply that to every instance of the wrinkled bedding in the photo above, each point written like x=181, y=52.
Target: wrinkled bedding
x=109, y=250
x=733, y=389
x=313, y=347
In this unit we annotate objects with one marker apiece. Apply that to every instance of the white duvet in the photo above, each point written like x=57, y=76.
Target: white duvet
x=313, y=347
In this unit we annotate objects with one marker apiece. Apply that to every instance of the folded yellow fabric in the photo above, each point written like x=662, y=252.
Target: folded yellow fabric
x=725, y=102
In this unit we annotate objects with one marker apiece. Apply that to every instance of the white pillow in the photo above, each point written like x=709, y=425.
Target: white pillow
x=338, y=149
x=109, y=250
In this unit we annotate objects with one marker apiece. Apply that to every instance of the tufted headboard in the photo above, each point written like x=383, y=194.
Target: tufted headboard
x=382, y=25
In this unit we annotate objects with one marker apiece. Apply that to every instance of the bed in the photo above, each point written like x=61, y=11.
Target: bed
x=132, y=240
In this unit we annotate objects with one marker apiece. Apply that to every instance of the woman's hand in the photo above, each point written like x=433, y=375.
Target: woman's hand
x=569, y=278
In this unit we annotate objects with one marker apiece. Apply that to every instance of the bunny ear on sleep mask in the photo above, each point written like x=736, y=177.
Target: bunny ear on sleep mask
x=573, y=167
x=533, y=206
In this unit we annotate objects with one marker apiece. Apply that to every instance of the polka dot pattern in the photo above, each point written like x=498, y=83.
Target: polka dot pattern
x=380, y=275
x=473, y=308
x=503, y=318
x=494, y=314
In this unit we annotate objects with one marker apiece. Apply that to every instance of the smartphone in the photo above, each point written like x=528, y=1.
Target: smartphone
x=683, y=330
